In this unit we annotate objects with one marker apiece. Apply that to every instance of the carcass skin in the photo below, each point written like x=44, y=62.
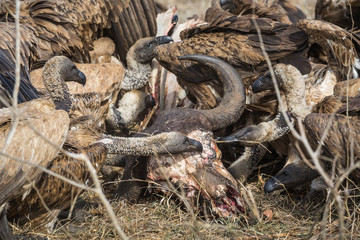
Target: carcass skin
x=199, y=172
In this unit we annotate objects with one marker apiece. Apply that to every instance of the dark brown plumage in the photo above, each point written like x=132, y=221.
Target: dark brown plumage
x=7, y=68
x=343, y=13
x=233, y=39
x=277, y=10
x=69, y=28
x=333, y=45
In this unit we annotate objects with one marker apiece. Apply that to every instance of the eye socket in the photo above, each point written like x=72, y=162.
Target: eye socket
x=285, y=173
x=73, y=68
x=186, y=141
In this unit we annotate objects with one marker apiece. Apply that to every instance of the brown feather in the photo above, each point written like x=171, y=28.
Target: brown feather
x=233, y=39
x=27, y=145
x=32, y=208
x=70, y=27
x=339, y=45
x=342, y=13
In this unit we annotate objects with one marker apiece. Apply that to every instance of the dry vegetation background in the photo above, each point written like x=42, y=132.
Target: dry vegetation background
x=281, y=215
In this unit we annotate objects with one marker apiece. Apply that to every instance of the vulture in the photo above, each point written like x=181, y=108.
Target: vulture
x=82, y=136
x=317, y=85
x=50, y=118
x=194, y=172
x=101, y=101
x=234, y=39
x=69, y=28
x=278, y=10
x=334, y=46
x=343, y=131
x=16, y=178
x=340, y=12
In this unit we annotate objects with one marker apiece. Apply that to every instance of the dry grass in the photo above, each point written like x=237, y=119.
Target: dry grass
x=161, y=217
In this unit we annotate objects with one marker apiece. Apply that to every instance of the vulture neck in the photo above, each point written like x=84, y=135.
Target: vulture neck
x=137, y=74
x=56, y=86
x=135, y=146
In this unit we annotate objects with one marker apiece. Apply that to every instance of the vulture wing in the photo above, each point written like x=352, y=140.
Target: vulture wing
x=343, y=134
x=7, y=67
x=29, y=146
x=69, y=27
x=235, y=40
x=57, y=194
x=343, y=13
x=339, y=45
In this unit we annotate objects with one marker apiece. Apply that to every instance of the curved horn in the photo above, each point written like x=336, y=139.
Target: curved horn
x=232, y=104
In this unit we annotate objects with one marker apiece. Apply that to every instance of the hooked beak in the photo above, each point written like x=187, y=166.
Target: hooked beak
x=163, y=40
x=263, y=83
x=249, y=133
x=82, y=78
x=198, y=145
x=150, y=101
x=272, y=184
x=227, y=4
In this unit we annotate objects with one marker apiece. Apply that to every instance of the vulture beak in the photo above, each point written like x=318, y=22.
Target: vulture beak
x=249, y=133
x=163, y=40
x=227, y=4
x=198, y=145
x=82, y=78
x=175, y=19
x=150, y=101
x=271, y=185
x=263, y=83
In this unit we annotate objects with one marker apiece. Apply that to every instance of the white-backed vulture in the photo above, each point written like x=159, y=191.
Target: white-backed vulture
x=342, y=133
x=333, y=45
x=234, y=39
x=278, y=10
x=340, y=50
x=83, y=137
x=16, y=178
x=101, y=100
x=69, y=28
x=50, y=117
x=343, y=13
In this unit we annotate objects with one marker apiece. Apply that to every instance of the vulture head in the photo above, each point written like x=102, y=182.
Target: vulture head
x=63, y=69
x=143, y=50
x=138, y=61
x=56, y=72
x=292, y=175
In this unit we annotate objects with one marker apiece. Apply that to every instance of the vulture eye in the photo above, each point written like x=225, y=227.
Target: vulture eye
x=285, y=173
x=73, y=68
x=149, y=44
